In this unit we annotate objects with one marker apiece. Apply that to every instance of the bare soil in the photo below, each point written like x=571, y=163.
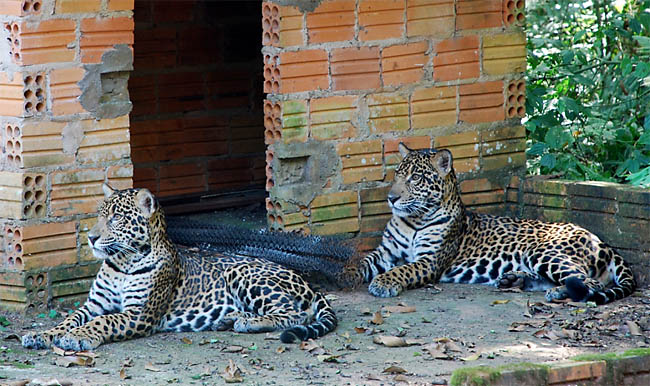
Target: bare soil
x=437, y=330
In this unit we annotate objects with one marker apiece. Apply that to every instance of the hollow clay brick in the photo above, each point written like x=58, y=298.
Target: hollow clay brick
x=472, y=14
x=456, y=58
x=120, y=5
x=331, y=21
x=361, y=161
x=21, y=7
x=403, y=64
x=433, y=106
x=391, y=152
x=516, y=99
x=303, y=71
x=65, y=91
x=346, y=225
x=44, y=42
x=429, y=18
x=381, y=19
x=294, y=121
x=270, y=24
x=355, y=68
x=513, y=12
x=504, y=54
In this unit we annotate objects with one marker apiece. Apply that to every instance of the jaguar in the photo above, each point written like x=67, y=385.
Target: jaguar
x=144, y=286
x=432, y=237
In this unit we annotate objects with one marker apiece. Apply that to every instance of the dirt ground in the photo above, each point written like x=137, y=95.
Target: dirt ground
x=435, y=330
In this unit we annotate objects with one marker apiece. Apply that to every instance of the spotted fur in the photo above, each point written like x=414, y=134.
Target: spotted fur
x=145, y=286
x=432, y=237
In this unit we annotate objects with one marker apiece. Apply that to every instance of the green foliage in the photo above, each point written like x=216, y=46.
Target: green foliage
x=588, y=87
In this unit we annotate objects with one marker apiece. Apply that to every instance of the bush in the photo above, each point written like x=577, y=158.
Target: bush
x=588, y=86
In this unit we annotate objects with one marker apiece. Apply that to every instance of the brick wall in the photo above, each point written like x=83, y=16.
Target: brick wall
x=347, y=80
x=197, y=119
x=64, y=130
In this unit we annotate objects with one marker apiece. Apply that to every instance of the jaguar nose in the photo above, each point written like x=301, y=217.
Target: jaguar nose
x=92, y=239
x=392, y=197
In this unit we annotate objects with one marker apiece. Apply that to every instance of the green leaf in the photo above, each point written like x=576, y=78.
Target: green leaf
x=538, y=148
x=567, y=56
x=557, y=138
x=548, y=161
x=4, y=322
x=52, y=314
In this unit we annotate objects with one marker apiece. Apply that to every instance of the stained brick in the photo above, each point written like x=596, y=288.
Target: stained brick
x=345, y=225
x=361, y=161
x=388, y=112
x=391, y=151
x=104, y=140
x=381, y=19
x=504, y=54
x=464, y=147
x=331, y=118
x=429, y=17
x=76, y=191
x=42, y=145
x=434, y=106
x=331, y=21
x=355, y=68
x=22, y=195
x=481, y=102
x=303, y=71
x=99, y=35
x=294, y=121
x=472, y=14
x=456, y=58
x=403, y=64
x=120, y=5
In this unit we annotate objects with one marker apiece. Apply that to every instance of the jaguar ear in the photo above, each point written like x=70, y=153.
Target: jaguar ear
x=403, y=150
x=107, y=190
x=442, y=161
x=146, y=202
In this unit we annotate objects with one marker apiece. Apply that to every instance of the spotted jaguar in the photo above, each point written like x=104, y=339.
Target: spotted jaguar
x=432, y=237
x=145, y=285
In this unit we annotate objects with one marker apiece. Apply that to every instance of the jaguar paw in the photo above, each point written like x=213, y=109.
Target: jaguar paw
x=513, y=279
x=36, y=340
x=71, y=342
x=382, y=288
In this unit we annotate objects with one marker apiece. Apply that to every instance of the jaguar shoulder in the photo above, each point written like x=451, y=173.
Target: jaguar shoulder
x=145, y=286
x=432, y=237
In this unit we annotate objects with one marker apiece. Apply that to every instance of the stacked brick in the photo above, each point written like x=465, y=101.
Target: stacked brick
x=197, y=122
x=55, y=153
x=348, y=80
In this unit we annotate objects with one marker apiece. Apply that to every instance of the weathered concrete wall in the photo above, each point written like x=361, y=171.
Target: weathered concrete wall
x=64, y=122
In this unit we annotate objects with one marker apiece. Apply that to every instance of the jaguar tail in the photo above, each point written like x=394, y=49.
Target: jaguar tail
x=624, y=284
x=325, y=321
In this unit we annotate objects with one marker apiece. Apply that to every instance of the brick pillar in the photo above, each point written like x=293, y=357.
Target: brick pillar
x=64, y=130
x=347, y=80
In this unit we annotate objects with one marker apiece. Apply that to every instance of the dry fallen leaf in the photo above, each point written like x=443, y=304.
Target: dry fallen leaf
x=150, y=367
x=506, y=301
x=377, y=318
x=128, y=362
x=123, y=374
x=281, y=349
x=472, y=357
x=327, y=358
x=401, y=378
x=366, y=311
x=437, y=351
x=232, y=373
x=634, y=328
x=232, y=349
x=360, y=330
x=395, y=341
x=186, y=340
x=394, y=370
x=74, y=360
x=399, y=309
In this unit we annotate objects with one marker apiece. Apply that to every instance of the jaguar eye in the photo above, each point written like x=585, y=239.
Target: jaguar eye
x=415, y=178
x=116, y=217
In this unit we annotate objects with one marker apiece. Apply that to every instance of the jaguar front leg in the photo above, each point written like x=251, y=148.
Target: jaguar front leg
x=104, y=329
x=44, y=339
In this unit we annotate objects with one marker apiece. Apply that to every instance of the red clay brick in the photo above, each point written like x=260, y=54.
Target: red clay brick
x=391, y=152
x=472, y=14
x=516, y=99
x=303, y=71
x=429, y=18
x=504, y=54
x=381, y=19
x=291, y=26
x=77, y=6
x=11, y=7
x=11, y=94
x=434, y=106
x=64, y=90
x=45, y=42
x=403, y=64
x=355, y=68
x=120, y=5
x=456, y=58
x=513, y=12
x=331, y=21
x=99, y=35
x=481, y=102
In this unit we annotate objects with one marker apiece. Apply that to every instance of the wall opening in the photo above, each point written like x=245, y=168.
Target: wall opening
x=197, y=120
